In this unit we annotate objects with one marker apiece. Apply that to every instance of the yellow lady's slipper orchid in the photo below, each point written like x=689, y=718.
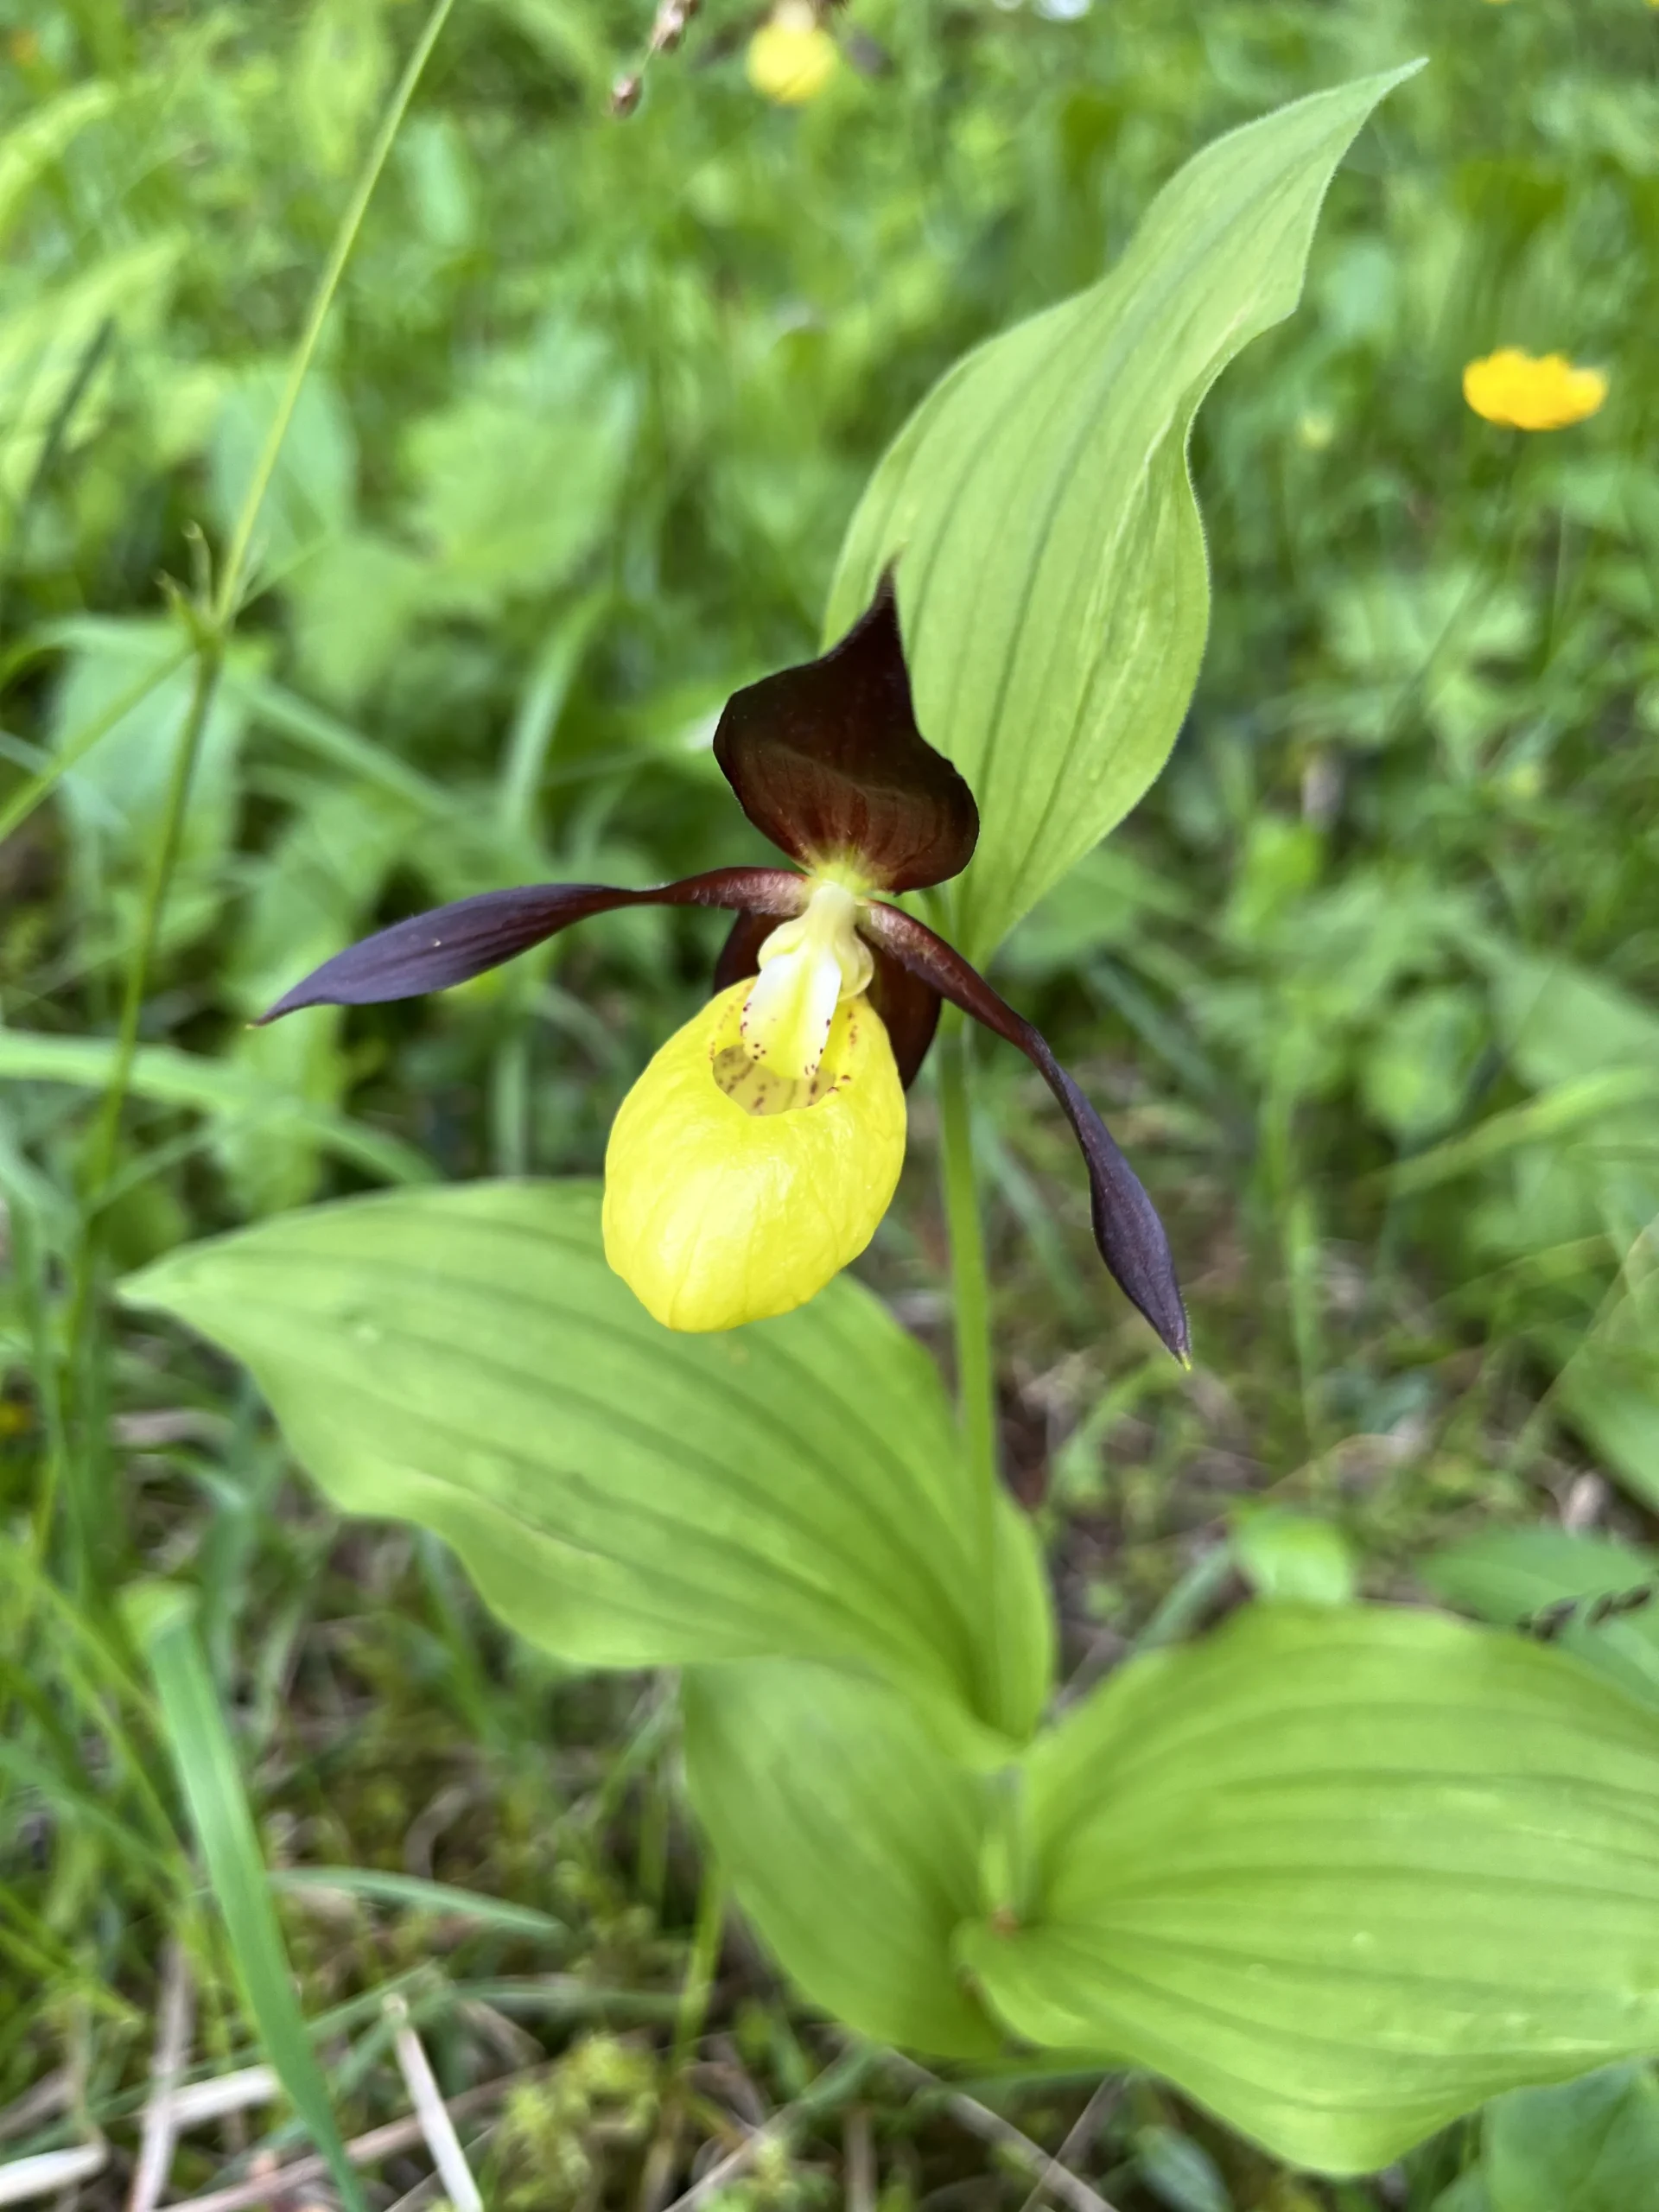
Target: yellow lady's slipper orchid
x=1514, y=388
x=791, y=57
x=759, y=1151
x=732, y=1192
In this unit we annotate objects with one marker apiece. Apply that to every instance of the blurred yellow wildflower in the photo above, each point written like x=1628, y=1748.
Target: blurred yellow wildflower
x=791, y=56
x=1530, y=393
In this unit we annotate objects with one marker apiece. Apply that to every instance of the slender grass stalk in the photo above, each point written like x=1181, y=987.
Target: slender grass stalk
x=700, y=1968
x=970, y=1291
x=163, y=1621
x=71, y=1470
x=227, y=596
x=211, y=626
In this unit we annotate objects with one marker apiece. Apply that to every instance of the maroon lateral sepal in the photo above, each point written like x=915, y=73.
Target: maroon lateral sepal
x=909, y=1007
x=1129, y=1235
x=827, y=761
x=739, y=956
x=451, y=944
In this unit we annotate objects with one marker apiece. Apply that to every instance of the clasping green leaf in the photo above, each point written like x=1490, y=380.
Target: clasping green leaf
x=1342, y=1875
x=1052, y=577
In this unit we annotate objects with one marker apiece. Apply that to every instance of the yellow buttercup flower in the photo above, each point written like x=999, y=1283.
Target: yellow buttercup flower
x=791, y=56
x=756, y=1155
x=1527, y=393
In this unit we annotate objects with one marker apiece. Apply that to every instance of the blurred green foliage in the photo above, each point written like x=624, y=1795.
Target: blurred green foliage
x=1372, y=977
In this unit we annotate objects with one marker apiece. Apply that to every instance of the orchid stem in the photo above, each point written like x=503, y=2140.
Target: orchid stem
x=971, y=1305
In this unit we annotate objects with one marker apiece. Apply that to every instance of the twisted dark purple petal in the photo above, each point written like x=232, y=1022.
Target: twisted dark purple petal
x=1128, y=1231
x=908, y=1006
x=827, y=761
x=452, y=943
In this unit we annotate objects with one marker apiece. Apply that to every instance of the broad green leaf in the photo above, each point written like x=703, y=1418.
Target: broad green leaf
x=352, y=600
x=1588, y=2146
x=116, y=795
x=74, y=744
x=31, y=147
x=622, y=1495
x=1052, y=584
x=314, y=893
x=1467, y=2194
x=1342, y=1876
x=1293, y=1555
x=313, y=491
x=1510, y=1575
x=204, y=1755
x=516, y=482
x=1560, y=1022
x=47, y=344
x=1179, y=2173
x=341, y=66
x=1417, y=1070
x=1557, y=1117
x=850, y=1840
x=1609, y=1388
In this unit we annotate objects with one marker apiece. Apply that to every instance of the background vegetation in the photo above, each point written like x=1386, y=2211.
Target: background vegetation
x=1369, y=981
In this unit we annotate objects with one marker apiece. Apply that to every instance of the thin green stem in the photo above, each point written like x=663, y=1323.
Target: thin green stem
x=971, y=1306
x=106, y=1130
x=699, y=1966
x=211, y=626
x=158, y=879
x=226, y=599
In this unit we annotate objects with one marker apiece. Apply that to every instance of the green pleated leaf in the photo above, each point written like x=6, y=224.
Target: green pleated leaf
x=1052, y=584
x=1590, y=2146
x=1342, y=1876
x=622, y=1495
x=1594, y=1598
x=850, y=1841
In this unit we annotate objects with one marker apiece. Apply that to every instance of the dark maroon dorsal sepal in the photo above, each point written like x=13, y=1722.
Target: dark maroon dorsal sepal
x=827, y=761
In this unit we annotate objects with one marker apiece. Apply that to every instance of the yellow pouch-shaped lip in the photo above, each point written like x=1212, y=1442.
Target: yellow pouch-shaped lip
x=715, y=1215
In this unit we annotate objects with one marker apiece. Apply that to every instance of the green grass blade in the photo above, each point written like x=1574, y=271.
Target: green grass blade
x=415, y=1892
x=169, y=1077
x=74, y=749
x=163, y=1623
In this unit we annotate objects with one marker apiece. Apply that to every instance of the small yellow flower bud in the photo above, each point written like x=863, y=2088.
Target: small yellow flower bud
x=1512, y=387
x=791, y=57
